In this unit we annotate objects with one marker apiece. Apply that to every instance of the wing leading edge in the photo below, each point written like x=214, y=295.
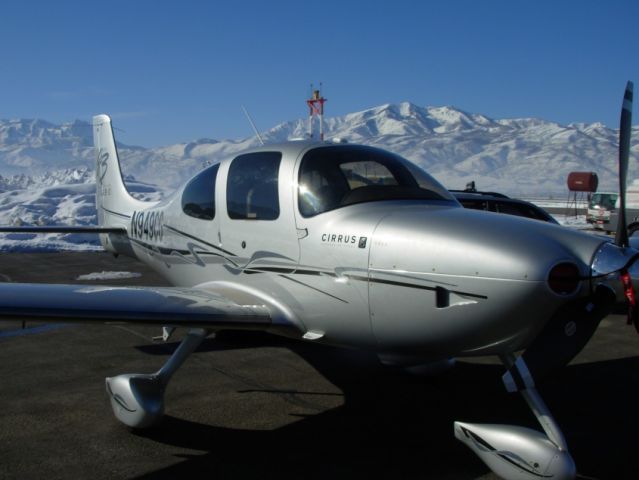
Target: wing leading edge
x=165, y=306
x=62, y=229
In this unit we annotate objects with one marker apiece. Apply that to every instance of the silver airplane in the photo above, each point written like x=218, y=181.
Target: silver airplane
x=351, y=246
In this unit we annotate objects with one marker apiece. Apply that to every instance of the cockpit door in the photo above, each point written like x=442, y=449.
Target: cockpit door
x=334, y=249
x=257, y=222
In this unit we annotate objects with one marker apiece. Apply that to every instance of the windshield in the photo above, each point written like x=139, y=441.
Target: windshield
x=333, y=177
x=603, y=200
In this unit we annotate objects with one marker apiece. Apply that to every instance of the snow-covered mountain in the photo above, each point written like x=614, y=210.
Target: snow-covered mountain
x=521, y=157
x=518, y=156
x=46, y=170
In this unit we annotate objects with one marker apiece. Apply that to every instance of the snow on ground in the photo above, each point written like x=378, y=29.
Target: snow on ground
x=577, y=222
x=51, y=201
x=104, y=275
x=32, y=243
x=554, y=203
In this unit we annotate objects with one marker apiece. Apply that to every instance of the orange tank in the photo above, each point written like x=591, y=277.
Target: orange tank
x=582, y=181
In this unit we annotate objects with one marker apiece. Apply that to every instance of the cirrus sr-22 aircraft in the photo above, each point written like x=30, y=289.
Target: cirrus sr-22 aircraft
x=351, y=246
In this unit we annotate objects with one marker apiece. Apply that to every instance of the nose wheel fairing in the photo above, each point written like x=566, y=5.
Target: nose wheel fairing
x=517, y=453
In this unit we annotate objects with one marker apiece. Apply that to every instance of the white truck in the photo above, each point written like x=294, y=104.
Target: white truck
x=632, y=211
x=601, y=205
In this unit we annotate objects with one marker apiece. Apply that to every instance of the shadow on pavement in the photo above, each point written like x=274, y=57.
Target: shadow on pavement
x=394, y=425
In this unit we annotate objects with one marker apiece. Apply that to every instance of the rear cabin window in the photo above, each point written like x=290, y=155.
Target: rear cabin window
x=252, y=188
x=198, y=199
x=334, y=177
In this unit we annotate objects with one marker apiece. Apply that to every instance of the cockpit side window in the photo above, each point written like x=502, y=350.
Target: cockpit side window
x=198, y=198
x=333, y=177
x=252, y=186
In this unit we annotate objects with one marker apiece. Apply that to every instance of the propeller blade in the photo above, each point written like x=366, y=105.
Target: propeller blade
x=625, y=124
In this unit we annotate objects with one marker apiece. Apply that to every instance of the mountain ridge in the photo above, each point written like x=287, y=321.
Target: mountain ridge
x=47, y=170
x=521, y=156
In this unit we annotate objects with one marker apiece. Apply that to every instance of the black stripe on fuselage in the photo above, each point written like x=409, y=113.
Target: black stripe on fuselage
x=292, y=270
x=312, y=288
x=122, y=215
x=192, y=237
x=410, y=285
x=170, y=251
x=158, y=249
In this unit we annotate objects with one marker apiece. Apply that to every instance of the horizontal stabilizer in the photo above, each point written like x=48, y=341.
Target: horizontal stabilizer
x=163, y=306
x=62, y=229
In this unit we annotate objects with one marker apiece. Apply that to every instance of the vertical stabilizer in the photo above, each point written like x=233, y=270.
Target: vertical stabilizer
x=113, y=201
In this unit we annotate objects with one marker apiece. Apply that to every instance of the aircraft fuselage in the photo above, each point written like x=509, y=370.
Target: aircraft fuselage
x=411, y=276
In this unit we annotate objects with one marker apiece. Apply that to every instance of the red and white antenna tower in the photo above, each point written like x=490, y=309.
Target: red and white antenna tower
x=316, y=108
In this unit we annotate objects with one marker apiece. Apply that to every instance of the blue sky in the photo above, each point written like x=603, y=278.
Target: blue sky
x=175, y=71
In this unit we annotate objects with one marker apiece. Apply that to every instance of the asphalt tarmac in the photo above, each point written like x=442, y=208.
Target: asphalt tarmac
x=256, y=406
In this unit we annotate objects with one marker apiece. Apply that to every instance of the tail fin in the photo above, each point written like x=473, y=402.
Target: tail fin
x=114, y=203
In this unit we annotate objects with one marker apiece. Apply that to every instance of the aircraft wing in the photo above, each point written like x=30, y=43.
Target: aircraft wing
x=165, y=306
x=62, y=229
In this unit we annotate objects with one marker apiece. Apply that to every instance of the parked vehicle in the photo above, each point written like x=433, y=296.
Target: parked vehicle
x=601, y=205
x=497, y=202
x=632, y=211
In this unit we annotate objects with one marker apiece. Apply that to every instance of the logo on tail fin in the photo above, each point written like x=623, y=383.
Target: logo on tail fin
x=102, y=165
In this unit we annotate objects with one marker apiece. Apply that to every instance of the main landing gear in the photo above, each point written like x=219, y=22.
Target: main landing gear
x=138, y=399
x=517, y=453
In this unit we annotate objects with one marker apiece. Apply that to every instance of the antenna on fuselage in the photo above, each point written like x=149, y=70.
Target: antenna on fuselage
x=259, y=137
